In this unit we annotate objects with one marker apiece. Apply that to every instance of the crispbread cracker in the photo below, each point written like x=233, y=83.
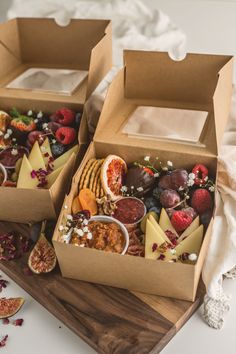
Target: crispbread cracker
x=96, y=179
x=94, y=172
x=84, y=172
x=87, y=177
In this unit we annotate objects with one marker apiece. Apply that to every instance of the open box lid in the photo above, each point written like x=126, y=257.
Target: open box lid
x=200, y=82
x=82, y=45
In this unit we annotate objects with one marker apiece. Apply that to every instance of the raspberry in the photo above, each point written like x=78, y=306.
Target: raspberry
x=64, y=116
x=201, y=174
x=66, y=135
x=181, y=220
x=201, y=200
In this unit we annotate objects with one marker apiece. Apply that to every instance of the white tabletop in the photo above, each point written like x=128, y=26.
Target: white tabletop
x=211, y=28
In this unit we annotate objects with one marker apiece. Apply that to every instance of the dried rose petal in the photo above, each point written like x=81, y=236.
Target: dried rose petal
x=161, y=257
x=154, y=247
x=3, y=284
x=5, y=321
x=18, y=322
x=3, y=341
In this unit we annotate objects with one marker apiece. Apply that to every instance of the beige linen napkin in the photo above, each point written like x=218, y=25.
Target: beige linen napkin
x=221, y=257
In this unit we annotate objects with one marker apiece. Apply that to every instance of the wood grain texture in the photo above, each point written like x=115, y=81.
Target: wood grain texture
x=110, y=320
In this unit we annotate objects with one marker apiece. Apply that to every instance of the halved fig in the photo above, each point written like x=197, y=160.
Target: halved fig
x=42, y=258
x=9, y=307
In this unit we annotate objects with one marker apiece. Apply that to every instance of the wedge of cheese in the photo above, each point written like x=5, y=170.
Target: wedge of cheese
x=192, y=243
x=152, y=236
x=158, y=229
x=24, y=179
x=192, y=227
x=165, y=222
x=46, y=149
x=61, y=160
x=36, y=158
x=51, y=178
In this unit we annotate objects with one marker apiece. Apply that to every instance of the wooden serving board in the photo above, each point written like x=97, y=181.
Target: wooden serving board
x=110, y=320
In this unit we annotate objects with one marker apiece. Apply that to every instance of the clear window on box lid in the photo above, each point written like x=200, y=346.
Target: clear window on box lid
x=174, y=124
x=56, y=81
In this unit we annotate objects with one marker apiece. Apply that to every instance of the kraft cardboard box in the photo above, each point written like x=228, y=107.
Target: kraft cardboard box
x=199, y=82
x=26, y=44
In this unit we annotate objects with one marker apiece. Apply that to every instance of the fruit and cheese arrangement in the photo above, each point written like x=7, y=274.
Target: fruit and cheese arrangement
x=34, y=146
x=164, y=210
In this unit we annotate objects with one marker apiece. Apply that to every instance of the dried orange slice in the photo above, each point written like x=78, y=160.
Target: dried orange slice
x=113, y=173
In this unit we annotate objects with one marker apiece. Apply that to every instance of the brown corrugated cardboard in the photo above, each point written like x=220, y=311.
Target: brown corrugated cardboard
x=148, y=78
x=27, y=43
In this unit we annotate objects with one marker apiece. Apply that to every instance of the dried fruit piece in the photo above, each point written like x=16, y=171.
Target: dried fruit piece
x=88, y=200
x=9, y=307
x=76, y=206
x=42, y=258
x=113, y=172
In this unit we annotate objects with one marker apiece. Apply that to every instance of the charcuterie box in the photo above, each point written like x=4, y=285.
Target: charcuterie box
x=47, y=73
x=198, y=89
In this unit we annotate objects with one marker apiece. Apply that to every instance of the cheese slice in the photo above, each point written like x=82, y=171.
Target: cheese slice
x=158, y=229
x=61, y=160
x=192, y=243
x=36, y=158
x=24, y=179
x=46, y=149
x=165, y=222
x=51, y=178
x=192, y=227
x=152, y=236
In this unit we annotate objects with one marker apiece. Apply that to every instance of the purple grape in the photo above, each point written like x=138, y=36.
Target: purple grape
x=169, y=198
x=190, y=211
x=179, y=179
x=165, y=182
x=206, y=218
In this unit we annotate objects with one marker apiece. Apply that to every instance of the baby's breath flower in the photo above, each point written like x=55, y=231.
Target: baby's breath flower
x=146, y=158
x=212, y=189
x=169, y=163
x=140, y=189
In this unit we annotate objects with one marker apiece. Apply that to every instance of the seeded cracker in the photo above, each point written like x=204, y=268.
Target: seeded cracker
x=85, y=170
x=94, y=172
x=87, y=177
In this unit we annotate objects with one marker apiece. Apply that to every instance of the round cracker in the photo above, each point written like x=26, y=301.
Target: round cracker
x=84, y=172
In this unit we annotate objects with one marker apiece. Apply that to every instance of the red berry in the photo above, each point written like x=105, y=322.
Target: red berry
x=181, y=220
x=64, y=116
x=66, y=135
x=201, y=174
x=201, y=200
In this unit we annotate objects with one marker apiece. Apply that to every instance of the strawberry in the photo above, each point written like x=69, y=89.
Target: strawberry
x=23, y=123
x=64, y=116
x=201, y=200
x=201, y=174
x=181, y=220
x=66, y=135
